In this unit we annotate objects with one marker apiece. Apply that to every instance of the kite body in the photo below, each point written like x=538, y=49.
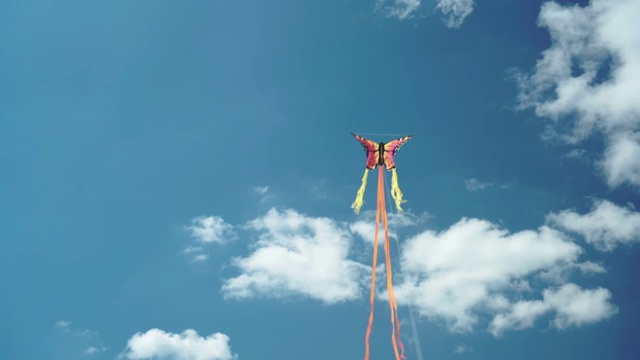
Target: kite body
x=381, y=153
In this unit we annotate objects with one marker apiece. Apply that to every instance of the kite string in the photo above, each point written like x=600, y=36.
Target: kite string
x=373, y=276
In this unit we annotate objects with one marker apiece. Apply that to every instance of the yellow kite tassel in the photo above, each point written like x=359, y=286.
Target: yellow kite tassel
x=360, y=196
x=396, y=194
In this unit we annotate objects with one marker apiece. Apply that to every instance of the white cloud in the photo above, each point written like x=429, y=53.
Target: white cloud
x=590, y=79
x=366, y=230
x=296, y=254
x=474, y=184
x=92, y=350
x=196, y=253
x=573, y=306
x=263, y=191
x=157, y=344
x=400, y=9
x=67, y=327
x=192, y=249
x=91, y=339
x=620, y=161
x=577, y=155
x=260, y=189
x=576, y=307
x=470, y=268
x=210, y=229
x=589, y=267
x=521, y=316
x=64, y=325
x=455, y=11
x=605, y=226
x=201, y=258
x=470, y=271
x=207, y=230
x=587, y=38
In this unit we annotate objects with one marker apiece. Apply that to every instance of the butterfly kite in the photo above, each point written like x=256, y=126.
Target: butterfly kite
x=382, y=154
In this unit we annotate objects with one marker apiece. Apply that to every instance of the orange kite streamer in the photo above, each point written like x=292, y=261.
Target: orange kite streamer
x=382, y=154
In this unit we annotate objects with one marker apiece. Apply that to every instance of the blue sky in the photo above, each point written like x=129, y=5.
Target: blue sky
x=176, y=178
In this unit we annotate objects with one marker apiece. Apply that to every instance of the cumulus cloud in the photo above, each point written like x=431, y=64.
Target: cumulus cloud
x=606, y=226
x=474, y=266
x=620, y=161
x=296, y=254
x=588, y=80
x=157, y=344
x=573, y=306
x=589, y=267
x=366, y=230
x=455, y=11
x=208, y=229
x=521, y=315
x=576, y=306
x=474, y=184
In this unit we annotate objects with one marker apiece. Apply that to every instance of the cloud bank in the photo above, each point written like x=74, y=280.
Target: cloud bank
x=474, y=268
x=471, y=271
x=588, y=81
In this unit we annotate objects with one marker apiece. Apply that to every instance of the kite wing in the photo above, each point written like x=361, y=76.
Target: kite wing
x=373, y=151
x=390, y=149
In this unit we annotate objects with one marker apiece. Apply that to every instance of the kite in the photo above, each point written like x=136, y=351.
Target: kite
x=382, y=154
